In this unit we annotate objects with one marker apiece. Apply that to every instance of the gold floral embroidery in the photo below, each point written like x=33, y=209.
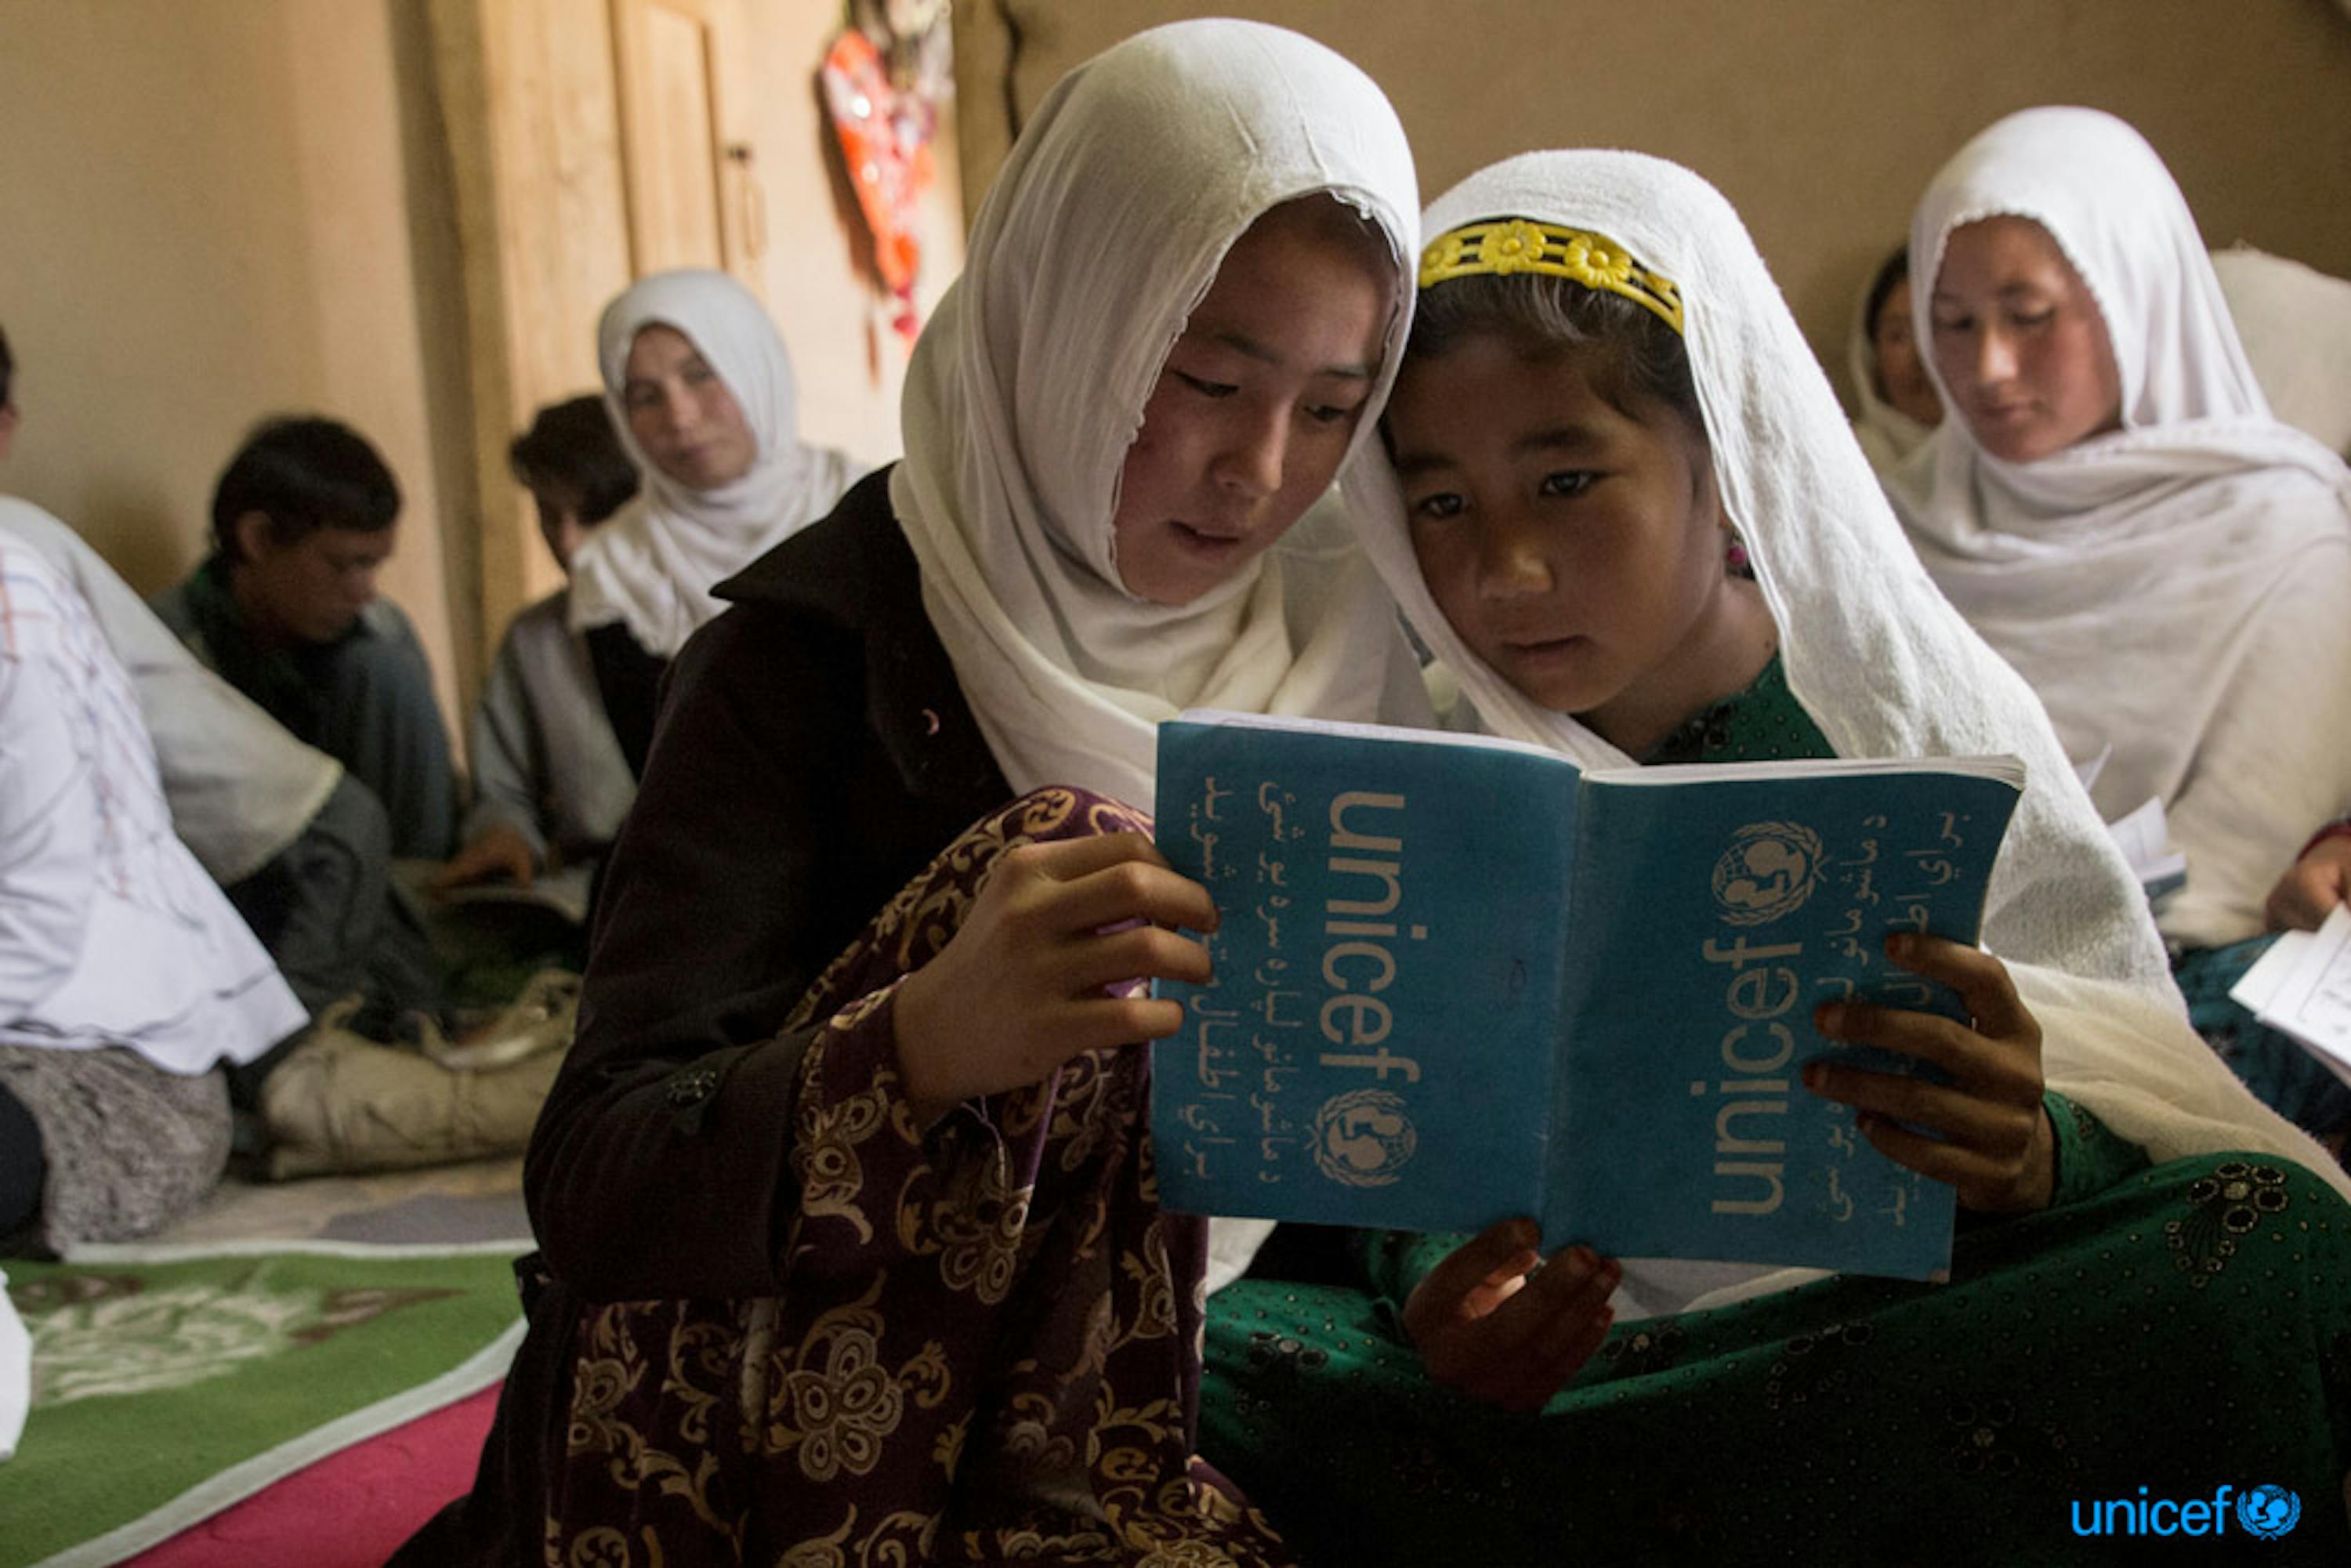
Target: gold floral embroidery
x=836, y=1401
x=608, y=1372
x=2229, y=1204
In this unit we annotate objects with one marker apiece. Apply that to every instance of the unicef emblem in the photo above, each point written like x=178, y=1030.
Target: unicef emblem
x=2269, y=1511
x=1770, y=869
x=1362, y=1138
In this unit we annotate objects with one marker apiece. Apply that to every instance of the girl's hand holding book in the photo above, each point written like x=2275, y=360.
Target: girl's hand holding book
x=1991, y=1138
x=1042, y=968
x=1491, y=1325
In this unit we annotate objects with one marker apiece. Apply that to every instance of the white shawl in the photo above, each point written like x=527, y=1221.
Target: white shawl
x=1104, y=229
x=2174, y=590
x=652, y=567
x=1880, y=660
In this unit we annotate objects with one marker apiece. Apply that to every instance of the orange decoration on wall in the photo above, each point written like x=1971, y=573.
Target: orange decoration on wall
x=885, y=137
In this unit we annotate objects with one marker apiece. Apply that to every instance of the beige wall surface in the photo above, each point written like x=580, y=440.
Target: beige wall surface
x=215, y=210
x=205, y=219
x=1822, y=120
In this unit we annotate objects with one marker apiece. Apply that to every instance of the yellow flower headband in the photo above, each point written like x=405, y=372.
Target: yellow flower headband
x=1517, y=244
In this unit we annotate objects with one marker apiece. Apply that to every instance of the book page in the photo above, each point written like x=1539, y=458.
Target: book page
x=1710, y=922
x=2144, y=836
x=2003, y=768
x=1374, y=1046
x=2314, y=1002
x=1392, y=733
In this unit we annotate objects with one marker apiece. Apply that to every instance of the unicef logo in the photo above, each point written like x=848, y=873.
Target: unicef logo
x=2269, y=1512
x=1362, y=1138
x=1770, y=869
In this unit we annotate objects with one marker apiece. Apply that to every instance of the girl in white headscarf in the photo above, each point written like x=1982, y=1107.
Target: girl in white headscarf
x=702, y=393
x=2114, y=508
x=1895, y=405
x=1602, y=382
x=888, y=1213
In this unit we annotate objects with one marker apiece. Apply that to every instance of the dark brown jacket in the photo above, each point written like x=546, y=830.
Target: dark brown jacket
x=813, y=753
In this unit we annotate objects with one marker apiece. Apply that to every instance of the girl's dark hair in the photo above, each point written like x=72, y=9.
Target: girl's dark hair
x=304, y=474
x=7, y=369
x=571, y=445
x=1891, y=273
x=1640, y=353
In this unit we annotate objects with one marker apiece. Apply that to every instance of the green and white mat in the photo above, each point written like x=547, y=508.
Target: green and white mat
x=169, y=1381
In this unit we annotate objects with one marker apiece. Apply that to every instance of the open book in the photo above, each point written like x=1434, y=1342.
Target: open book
x=2302, y=988
x=1457, y=980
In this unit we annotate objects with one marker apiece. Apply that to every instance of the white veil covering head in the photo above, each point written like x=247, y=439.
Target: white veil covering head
x=2152, y=584
x=1886, y=434
x=653, y=565
x=1102, y=232
x=1877, y=657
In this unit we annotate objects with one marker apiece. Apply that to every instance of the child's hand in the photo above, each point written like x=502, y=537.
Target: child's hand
x=2311, y=888
x=1021, y=986
x=1996, y=1147
x=1486, y=1329
x=499, y=853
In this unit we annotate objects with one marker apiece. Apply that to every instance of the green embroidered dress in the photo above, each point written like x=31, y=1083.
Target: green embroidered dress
x=2178, y=1328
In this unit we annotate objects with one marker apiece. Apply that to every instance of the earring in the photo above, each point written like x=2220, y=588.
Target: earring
x=1734, y=554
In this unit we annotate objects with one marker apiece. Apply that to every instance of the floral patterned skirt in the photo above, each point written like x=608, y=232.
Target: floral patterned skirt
x=989, y=1349
x=2188, y=1329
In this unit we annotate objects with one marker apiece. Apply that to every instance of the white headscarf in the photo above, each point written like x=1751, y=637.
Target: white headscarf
x=653, y=565
x=1878, y=658
x=1886, y=434
x=2173, y=590
x=1103, y=231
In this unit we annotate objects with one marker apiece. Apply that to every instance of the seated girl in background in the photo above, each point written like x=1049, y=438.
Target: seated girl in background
x=896, y=1284
x=1601, y=385
x=1897, y=407
x=2113, y=508
x=701, y=389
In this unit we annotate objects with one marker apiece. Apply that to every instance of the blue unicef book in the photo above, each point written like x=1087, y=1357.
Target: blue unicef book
x=1457, y=979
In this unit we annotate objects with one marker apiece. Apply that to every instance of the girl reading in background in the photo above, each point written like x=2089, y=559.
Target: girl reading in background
x=1602, y=385
x=2114, y=508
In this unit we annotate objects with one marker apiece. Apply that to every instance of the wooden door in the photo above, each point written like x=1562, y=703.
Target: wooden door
x=683, y=157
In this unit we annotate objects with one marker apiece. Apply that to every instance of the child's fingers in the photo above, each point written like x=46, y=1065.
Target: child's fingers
x=1981, y=980
x=1135, y=953
x=1960, y=1116
x=1120, y=891
x=1100, y=1023
x=1542, y=1337
x=1978, y=1174
x=1491, y=1263
x=2001, y=1067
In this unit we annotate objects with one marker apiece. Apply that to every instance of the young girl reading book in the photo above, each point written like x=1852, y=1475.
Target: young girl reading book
x=1603, y=391
x=890, y=1282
